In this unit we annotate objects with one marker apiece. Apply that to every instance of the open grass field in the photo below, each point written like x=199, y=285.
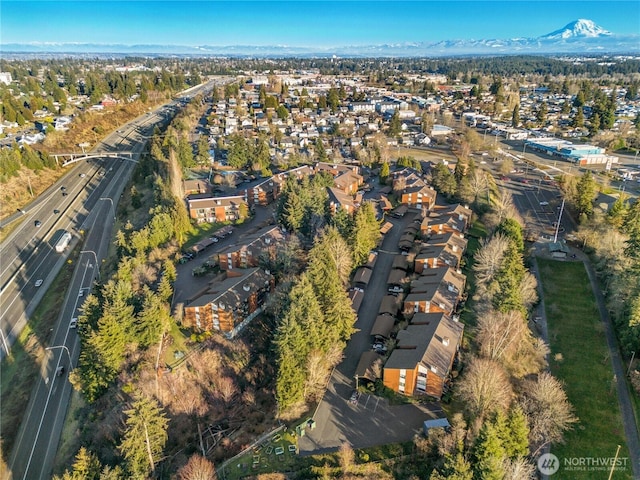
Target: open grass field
x=580, y=358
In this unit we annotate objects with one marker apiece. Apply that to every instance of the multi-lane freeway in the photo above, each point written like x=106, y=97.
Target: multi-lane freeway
x=83, y=203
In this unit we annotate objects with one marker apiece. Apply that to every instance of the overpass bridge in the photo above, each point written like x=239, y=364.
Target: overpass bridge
x=70, y=158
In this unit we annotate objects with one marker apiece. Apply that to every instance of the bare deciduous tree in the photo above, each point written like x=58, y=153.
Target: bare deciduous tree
x=519, y=469
x=346, y=457
x=548, y=410
x=197, y=468
x=488, y=259
x=226, y=388
x=528, y=290
x=506, y=338
x=485, y=387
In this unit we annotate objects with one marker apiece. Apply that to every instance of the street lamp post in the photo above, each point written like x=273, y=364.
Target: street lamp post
x=66, y=350
x=112, y=207
x=96, y=257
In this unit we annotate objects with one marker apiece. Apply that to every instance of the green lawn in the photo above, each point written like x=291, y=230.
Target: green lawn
x=580, y=358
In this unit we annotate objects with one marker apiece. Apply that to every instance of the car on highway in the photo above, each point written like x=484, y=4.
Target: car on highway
x=82, y=175
x=73, y=323
x=64, y=194
x=38, y=223
x=38, y=282
x=81, y=292
x=60, y=371
x=56, y=211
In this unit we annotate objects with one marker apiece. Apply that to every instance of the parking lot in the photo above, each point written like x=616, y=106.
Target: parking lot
x=371, y=420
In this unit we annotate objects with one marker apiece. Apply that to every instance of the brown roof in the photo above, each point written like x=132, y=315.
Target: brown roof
x=433, y=345
x=369, y=366
x=389, y=305
x=363, y=275
x=356, y=297
x=383, y=325
x=396, y=277
x=233, y=291
x=400, y=261
x=451, y=238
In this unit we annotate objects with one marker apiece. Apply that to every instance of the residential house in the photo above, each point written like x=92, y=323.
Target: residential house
x=433, y=256
x=340, y=201
x=424, y=356
x=228, y=305
x=196, y=186
x=246, y=253
x=437, y=290
x=412, y=190
x=204, y=208
x=455, y=239
x=349, y=182
x=446, y=219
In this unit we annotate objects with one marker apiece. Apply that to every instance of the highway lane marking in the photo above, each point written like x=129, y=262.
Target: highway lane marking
x=111, y=187
x=51, y=389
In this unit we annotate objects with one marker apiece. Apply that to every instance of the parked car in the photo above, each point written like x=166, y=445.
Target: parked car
x=355, y=395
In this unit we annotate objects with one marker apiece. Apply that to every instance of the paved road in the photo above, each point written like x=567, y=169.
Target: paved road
x=93, y=213
x=372, y=421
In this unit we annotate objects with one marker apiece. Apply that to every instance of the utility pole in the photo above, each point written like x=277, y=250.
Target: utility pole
x=555, y=237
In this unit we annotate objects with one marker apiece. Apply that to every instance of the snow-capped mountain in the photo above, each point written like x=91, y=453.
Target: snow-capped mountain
x=578, y=37
x=578, y=29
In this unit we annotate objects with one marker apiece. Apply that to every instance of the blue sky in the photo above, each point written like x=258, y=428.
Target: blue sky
x=300, y=23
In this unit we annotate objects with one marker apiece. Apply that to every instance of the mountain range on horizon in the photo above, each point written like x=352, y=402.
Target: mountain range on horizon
x=577, y=37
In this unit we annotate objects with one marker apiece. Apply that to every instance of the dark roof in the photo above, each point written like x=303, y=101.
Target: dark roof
x=233, y=291
x=363, y=275
x=369, y=366
x=389, y=305
x=396, y=277
x=401, y=262
x=383, y=326
x=432, y=345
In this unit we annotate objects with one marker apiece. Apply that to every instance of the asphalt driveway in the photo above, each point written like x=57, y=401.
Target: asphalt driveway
x=372, y=421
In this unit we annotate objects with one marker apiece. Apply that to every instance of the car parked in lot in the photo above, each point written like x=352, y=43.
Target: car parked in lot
x=355, y=395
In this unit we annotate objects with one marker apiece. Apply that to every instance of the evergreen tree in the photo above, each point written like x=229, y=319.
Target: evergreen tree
x=366, y=232
x=516, y=438
x=578, y=119
x=456, y=467
x=144, y=437
x=515, y=116
x=384, y=172
x=585, y=194
x=395, y=125
x=489, y=454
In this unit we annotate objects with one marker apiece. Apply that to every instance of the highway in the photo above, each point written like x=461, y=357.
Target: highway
x=92, y=189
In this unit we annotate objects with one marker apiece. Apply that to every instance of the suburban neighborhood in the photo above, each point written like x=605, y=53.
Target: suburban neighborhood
x=280, y=268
